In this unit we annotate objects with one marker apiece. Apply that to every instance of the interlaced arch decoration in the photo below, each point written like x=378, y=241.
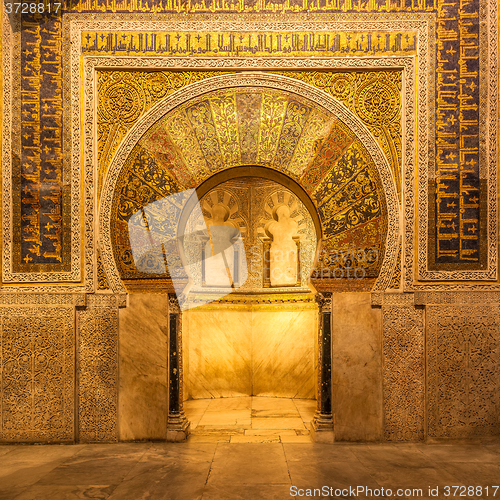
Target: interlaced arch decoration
x=301, y=98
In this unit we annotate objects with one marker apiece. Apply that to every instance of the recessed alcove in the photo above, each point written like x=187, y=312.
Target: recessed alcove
x=251, y=338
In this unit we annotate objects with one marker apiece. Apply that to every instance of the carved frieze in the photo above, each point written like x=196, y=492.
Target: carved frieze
x=97, y=364
x=403, y=366
x=37, y=366
x=463, y=356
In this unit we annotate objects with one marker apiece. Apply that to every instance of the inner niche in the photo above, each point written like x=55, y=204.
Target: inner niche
x=260, y=338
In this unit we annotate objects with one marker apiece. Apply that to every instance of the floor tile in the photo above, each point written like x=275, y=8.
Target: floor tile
x=180, y=452
x=315, y=452
x=475, y=474
x=66, y=492
x=4, y=449
x=295, y=439
x=382, y=456
x=26, y=465
x=270, y=432
x=331, y=474
x=261, y=403
x=170, y=482
x=460, y=453
x=209, y=438
x=97, y=464
x=255, y=439
x=249, y=463
x=275, y=414
x=407, y=477
x=248, y=492
x=232, y=470
x=277, y=423
x=224, y=419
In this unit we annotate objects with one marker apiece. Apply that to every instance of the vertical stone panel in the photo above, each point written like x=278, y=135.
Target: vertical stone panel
x=143, y=402
x=463, y=356
x=37, y=372
x=356, y=368
x=97, y=362
x=403, y=369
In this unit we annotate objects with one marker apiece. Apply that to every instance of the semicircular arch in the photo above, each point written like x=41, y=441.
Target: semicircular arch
x=265, y=120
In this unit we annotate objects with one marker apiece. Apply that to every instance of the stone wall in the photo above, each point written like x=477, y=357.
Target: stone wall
x=406, y=367
x=143, y=383
x=250, y=349
x=356, y=368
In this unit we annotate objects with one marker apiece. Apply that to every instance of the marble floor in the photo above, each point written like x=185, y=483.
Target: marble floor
x=250, y=420
x=248, y=471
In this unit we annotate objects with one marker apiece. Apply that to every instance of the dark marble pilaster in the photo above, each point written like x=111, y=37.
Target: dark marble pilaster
x=322, y=424
x=177, y=423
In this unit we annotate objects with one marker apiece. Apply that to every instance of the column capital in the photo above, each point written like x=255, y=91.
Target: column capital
x=324, y=301
x=173, y=304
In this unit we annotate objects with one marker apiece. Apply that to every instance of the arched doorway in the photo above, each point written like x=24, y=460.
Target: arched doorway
x=255, y=347
x=269, y=121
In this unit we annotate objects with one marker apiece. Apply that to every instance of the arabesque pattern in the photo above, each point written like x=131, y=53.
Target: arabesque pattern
x=374, y=97
x=288, y=133
x=124, y=96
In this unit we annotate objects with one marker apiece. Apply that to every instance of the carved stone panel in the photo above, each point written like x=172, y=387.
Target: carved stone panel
x=97, y=357
x=403, y=367
x=37, y=373
x=463, y=355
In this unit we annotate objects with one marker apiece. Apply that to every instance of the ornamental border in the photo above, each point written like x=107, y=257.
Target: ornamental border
x=422, y=23
x=245, y=80
x=488, y=122
x=11, y=60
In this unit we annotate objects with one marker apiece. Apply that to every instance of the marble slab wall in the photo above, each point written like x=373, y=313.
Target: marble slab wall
x=356, y=367
x=143, y=336
x=283, y=352
x=250, y=350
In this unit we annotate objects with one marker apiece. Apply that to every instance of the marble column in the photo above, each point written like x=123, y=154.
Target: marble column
x=322, y=424
x=177, y=423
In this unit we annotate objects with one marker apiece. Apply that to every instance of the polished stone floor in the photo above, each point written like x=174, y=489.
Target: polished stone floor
x=233, y=471
x=250, y=420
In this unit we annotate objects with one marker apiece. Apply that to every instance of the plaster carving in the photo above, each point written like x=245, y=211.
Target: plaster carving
x=463, y=355
x=392, y=299
x=219, y=250
x=458, y=297
x=403, y=364
x=324, y=301
x=283, y=252
x=97, y=357
x=37, y=363
x=102, y=282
